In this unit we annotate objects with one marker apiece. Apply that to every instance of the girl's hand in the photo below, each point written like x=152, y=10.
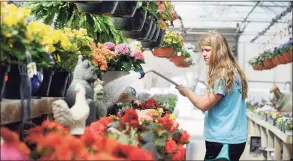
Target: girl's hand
x=183, y=90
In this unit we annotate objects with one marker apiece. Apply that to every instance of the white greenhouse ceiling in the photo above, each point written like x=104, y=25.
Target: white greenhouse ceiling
x=238, y=21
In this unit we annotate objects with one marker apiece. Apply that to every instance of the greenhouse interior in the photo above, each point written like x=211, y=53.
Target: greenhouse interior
x=165, y=80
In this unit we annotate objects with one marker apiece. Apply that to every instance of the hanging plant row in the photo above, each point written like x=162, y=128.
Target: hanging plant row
x=55, y=53
x=272, y=58
x=141, y=20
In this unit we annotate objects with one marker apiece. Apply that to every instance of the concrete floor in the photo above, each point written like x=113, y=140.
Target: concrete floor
x=192, y=120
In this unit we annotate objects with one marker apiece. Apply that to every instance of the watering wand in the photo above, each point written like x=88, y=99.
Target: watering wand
x=142, y=74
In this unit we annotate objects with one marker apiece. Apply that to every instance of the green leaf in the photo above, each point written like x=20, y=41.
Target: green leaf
x=123, y=139
x=159, y=142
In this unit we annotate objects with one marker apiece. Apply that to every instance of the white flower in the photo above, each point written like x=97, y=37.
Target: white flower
x=179, y=54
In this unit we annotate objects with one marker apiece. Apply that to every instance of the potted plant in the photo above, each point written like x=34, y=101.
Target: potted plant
x=285, y=52
x=125, y=9
x=267, y=55
x=260, y=63
x=144, y=33
x=99, y=27
x=253, y=63
x=19, y=46
x=173, y=42
x=154, y=44
x=134, y=23
x=129, y=58
x=99, y=7
x=182, y=58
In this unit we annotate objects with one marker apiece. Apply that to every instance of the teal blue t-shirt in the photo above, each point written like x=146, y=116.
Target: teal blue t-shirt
x=226, y=121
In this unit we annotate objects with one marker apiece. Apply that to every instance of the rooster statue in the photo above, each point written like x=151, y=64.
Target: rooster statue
x=75, y=117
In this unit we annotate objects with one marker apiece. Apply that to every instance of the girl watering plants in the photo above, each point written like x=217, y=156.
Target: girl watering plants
x=225, y=127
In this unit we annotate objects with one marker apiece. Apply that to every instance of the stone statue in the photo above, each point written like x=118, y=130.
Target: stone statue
x=98, y=97
x=85, y=75
x=75, y=117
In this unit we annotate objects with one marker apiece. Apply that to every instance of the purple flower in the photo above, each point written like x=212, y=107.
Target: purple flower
x=122, y=49
x=137, y=55
x=110, y=46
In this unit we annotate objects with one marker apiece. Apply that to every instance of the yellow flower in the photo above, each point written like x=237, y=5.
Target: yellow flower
x=172, y=117
x=50, y=48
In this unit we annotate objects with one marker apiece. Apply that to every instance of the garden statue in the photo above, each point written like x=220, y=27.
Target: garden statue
x=85, y=75
x=98, y=97
x=75, y=117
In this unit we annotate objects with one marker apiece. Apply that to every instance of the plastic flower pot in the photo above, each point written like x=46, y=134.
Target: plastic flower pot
x=46, y=84
x=12, y=89
x=179, y=61
x=281, y=59
x=125, y=9
x=140, y=35
x=4, y=70
x=99, y=7
x=156, y=35
x=152, y=32
x=134, y=23
x=154, y=44
x=269, y=63
x=291, y=54
x=286, y=57
x=275, y=60
x=163, y=52
x=59, y=84
x=255, y=67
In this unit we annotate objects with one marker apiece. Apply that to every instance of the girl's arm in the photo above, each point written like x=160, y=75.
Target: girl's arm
x=208, y=100
x=204, y=102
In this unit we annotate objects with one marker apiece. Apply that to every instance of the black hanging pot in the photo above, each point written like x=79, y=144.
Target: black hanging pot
x=99, y=7
x=155, y=44
x=156, y=35
x=46, y=84
x=140, y=35
x=125, y=9
x=152, y=32
x=4, y=70
x=12, y=89
x=59, y=84
x=134, y=23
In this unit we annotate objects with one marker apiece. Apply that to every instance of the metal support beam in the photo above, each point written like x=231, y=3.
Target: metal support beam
x=222, y=4
x=247, y=17
x=274, y=20
x=230, y=20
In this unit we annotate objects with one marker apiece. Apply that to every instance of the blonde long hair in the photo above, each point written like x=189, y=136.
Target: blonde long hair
x=222, y=63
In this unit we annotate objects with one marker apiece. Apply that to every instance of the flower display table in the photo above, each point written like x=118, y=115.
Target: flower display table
x=272, y=138
x=11, y=109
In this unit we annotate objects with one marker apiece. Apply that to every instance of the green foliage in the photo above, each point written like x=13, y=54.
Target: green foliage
x=65, y=14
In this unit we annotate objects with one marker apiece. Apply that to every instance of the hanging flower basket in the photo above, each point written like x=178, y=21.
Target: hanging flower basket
x=4, y=70
x=125, y=9
x=269, y=63
x=134, y=23
x=154, y=44
x=179, y=61
x=275, y=60
x=59, y=84
x=281, y=59
x=164, y=52
x=286, y=56
x=99, y=7
x=140, y=35
x=152, y=32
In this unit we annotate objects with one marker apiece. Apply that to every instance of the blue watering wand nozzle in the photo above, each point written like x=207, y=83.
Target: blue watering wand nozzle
x=142, y=74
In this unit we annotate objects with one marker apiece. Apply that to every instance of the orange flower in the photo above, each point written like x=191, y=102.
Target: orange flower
x=12, y=148
x=170, y=146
